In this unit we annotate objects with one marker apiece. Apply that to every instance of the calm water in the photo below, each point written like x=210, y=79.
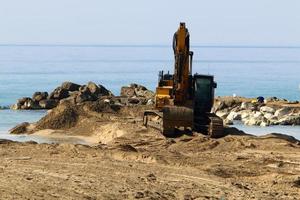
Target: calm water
x=245, y=71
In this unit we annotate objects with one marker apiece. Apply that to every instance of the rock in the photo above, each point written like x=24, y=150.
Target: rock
x=20, y=129
x=127, y=91
x=290, y=120
x=38, y=96
x=93, y=88
x=4, y=107
x=48, y=103
x=222, y=114
x=272, y=99
x=218, y=105
x=69, y=86
x=59, y=93
x=98, y=90
x=246, y=105
x=266, y=109
x=150, y=102
x=269, y=116
x=234, y=116
x=252, y=122
x=23, y=100
x=255, y=120
x=135, y=90
x=264, y=123
x=84, y=96
x=232, y=102
x=15, y=106
x=133, y=101
x=257, y=114
x=245, y=114
x=227, y=122
x=283, y=112
x=25, y=103
x=31, y=105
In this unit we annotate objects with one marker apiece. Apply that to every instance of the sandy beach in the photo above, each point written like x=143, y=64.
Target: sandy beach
x=146, y=165
x=125, y=160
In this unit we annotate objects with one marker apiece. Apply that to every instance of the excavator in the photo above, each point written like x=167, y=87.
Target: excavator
x=183, y=100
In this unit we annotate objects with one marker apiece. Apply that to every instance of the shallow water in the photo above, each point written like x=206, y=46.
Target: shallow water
x=257, y=130
x=244, y=71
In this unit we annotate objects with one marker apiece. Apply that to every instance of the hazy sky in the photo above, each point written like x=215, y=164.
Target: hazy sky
x=212, y=22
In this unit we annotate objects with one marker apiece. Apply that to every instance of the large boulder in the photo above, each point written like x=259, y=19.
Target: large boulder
x=4, y=107
x=48, y=103
x=269, y=116
x=127, y=91
x=84, y=96
x=30, y=105
x=69, y=86
x=290, y=120
x=246, y=105
x=267, y=109
x=98, y=90
x=59, y=93
x=38, y=96
x=26, y=103
x=135, y=90
x=221, y=113
x=245, y=114
x=218, y=105
x=20, y=129
x=283, y=112
x=234, y=116
x=257, y=121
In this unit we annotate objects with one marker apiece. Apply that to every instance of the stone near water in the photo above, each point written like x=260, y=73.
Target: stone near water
x=266, y=109
x=38, y=96
x=246, y=105
x=268, y=115
x=290, y=120
x=283, y=112
x=69, y=86
x=257, y=114
x=222, y=114
x=227, y=122
x=234, y=116
x=48, y=103
x=20, y=129
x=59, y=93
x=133, y=101
x=127, y=91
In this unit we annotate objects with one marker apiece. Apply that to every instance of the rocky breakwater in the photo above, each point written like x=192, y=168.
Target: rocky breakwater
x=67, y=91
x=4, y=107
x=73, y=103
x=273, y=112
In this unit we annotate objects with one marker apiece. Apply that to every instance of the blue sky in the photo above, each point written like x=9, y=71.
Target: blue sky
x=211, y=22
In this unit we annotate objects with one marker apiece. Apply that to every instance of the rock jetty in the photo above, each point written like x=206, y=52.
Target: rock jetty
x=273, y=111
x=77, y=94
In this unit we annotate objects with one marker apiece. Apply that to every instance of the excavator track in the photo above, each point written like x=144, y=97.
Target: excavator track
x=153, y=119
x=215, y=127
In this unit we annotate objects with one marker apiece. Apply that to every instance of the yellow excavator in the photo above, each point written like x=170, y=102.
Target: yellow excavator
x=184, y=100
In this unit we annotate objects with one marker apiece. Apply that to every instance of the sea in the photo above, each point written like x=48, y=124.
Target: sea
x=240, y=70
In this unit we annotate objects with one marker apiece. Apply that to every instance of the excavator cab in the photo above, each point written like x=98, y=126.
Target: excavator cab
x=204, y=87
x=204, y=121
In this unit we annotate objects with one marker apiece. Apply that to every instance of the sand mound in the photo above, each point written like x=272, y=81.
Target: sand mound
x=109, y=132
x=62, y=117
